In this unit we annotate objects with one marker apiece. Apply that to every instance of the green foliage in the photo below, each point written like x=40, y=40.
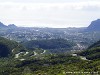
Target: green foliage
x=91, y=54
x=10, y=48
x=47, y=64
x=50, y=65
x=97, y=44
x=6, y=47
x=9, y=43
x=53, y=45
x=49, y=44
x=4, y=50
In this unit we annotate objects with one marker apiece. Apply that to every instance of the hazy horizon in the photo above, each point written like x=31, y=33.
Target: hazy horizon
x=49, y=13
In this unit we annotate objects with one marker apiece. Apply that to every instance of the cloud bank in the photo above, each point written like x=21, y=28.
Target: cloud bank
x=68, y=14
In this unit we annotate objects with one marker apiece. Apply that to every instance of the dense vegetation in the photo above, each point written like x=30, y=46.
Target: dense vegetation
x=9, y=43
x=53, y=45
x=6, y=47
x=50, y=65
x=4, y=50
x=91, y=54
x=47, y=64
x=97, y=44
x=9, y=47
x=93, y=51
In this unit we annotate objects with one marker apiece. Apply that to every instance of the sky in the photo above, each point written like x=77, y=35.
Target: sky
x=49, y=13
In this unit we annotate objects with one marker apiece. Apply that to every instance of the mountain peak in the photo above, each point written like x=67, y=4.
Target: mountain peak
x=2, y=25
x=94, y=26
x=12, y=25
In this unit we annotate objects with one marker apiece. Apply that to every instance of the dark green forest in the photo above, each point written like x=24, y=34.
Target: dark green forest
x=52, y=45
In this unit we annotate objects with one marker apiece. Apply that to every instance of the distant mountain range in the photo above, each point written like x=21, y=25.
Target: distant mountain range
x=5, y=26
x=94, y=26
x=2, y=25
x=12, y=26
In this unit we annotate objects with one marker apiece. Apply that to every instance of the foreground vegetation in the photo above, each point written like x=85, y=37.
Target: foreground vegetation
x=50, y=65
x=47, y=63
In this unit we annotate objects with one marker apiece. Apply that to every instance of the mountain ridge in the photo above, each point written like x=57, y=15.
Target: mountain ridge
x=94, y=26
x=2, y=25
x=5, y=26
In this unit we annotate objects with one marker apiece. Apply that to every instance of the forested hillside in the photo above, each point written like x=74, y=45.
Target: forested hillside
x=47, y=64
x=9, y=47
x=93, y=52
x=9, y=43
x=6, y=47
x=53, y=45
x=97, y=44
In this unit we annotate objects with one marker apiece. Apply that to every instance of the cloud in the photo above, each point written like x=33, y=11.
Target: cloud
x=45, y=1
x=49, y=14
x=68, y=5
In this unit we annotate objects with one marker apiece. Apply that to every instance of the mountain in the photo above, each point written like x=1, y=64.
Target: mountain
x=12, y=26
x=5, y=26
x=94, y=26
x=2, y=25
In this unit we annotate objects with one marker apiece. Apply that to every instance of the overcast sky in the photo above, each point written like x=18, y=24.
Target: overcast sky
x=49, y=13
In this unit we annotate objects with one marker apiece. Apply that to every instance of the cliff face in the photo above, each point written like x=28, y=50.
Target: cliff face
x=94, y=26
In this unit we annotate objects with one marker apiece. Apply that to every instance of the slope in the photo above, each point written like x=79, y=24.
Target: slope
x=94, y=26
x=53, y=45
x=93, y=52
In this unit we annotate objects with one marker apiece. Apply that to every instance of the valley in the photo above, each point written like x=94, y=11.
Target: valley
x=49, y=51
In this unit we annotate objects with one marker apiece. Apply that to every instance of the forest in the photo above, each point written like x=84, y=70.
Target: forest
x=47, y=63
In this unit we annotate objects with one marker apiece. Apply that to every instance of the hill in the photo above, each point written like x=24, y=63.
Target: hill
x=9, y=47
x=53, y=45
x=97, y=44
x=9, y=43
x=93, y=51
x=94, y=26
x=48, y=64
x=12, y=26
x=4, y=50
x=6, y=46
